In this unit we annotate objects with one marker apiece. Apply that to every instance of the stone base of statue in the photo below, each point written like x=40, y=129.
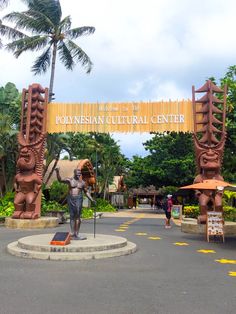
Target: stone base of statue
x=40, y=223
x=190, y=225
x=102, y=246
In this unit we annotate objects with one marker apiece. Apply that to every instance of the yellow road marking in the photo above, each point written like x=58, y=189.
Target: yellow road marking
x=226, y=261
x=206, y=251
x=232, y=273
x=120, y=230
x=181, y=243
x=141, y=233
x=154, y=238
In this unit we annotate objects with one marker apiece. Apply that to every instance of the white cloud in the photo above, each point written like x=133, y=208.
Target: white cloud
x=141, y=50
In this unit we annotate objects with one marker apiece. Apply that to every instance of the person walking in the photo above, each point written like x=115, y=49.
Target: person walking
x=168, y=206
x=75, y=200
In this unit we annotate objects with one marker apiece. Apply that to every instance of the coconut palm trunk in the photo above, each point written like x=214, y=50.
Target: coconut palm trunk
x=53, y=67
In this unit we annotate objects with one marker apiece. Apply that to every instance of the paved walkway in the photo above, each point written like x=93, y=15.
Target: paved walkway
x=142, y=212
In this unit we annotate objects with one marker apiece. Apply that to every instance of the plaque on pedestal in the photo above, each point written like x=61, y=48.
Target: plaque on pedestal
x=61, y=238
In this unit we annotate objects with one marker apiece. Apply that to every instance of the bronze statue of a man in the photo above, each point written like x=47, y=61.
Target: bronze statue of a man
x=75, y=200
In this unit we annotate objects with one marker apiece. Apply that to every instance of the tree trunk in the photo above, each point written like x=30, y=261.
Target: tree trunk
x=53, y=168
x=54, y=54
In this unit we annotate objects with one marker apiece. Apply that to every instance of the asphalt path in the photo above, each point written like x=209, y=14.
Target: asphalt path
x=171, y=273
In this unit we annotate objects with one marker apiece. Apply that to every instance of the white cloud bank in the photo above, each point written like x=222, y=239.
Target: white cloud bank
x=141, y=50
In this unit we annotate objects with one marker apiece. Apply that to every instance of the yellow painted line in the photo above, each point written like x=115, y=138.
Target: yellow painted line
x=181, y=243
x=232, y=273
x=124, y=226
x=154, y=238
x=120, y=230
x=206, y=251
x=226, y=261
x=141, y=233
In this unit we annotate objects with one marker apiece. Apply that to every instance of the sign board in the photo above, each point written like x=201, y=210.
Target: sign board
x=176, y=211
x=215, y=225
x=120, y=117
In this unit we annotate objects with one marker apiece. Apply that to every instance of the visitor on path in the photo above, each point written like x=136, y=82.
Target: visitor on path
x=75, y=200
x=135, y=201
x=167, y=207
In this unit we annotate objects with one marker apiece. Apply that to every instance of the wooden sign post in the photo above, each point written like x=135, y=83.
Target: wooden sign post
x=215, y=225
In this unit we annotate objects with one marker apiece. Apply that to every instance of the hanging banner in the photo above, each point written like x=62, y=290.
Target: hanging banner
x=120, y=117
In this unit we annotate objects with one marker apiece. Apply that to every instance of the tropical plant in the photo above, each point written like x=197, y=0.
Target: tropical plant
x=191, y=211
x=56, y=144
x=49, y=31
x=9, y=124
x=58, y=192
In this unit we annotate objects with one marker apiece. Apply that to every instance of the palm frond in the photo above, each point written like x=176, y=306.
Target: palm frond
x=80, y=56
x=27, y=43
x=10, y=32
x=42, y=63
x=49, y=8
x=65, y=24
x=65, y=56
x=3, y=3
x=32, y=21
x=80, y=31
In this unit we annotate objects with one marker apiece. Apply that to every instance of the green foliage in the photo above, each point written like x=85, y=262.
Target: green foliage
x=228, y=197
x=58, y=191
x=229, y=161
x=104, y=206
x=229, y=213
x=165, y=190
x=87, y=213
x=170, y=162
x=9, y=124
x=191, y=211
x=103, y=152
x=7, y=205
x=51, y=205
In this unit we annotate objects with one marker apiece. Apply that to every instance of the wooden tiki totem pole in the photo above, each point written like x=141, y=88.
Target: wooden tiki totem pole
x=31, y=140
x=209, y=139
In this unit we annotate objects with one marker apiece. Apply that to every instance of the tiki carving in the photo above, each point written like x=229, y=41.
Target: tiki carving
x=209, y=139
x=31, y=140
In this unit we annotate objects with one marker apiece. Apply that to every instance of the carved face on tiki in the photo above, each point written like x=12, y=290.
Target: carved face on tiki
x=210, y=160
x=26, y=160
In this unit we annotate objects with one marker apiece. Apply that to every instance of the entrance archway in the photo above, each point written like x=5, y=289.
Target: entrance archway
x=38, y=117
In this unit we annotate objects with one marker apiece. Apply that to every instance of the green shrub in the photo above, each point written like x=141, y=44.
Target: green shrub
x=7, y=204
x=229, y=213
x=87, y=213
x=191, y=211
x=58, y=191
x=51, y=205
x=103, y=206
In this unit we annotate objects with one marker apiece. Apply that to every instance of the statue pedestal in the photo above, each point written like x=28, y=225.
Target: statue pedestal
x=40, y=223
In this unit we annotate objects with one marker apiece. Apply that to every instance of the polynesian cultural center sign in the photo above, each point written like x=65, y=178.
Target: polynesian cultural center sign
x=120, y=117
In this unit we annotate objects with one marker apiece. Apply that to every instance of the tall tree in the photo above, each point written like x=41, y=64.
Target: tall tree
x=229, y=163
x=171, y=159
x=9, y=124
x=49, y=31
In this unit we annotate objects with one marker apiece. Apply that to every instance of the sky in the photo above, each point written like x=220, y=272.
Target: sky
x=141, y=51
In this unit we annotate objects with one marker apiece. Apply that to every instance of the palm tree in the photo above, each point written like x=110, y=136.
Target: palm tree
x=49, y=31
